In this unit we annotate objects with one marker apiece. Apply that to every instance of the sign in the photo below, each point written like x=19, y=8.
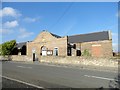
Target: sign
x=49, y=52
x=33, y=50
x=96, y=45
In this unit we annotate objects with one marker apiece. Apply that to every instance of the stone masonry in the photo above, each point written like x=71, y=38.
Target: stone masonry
x=52, y=42
x=47, y=40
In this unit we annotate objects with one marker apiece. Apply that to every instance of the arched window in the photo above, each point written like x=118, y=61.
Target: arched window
x=43, y=48
x=43, y=51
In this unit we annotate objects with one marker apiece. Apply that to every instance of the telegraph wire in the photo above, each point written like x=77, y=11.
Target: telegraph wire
x=67, y=9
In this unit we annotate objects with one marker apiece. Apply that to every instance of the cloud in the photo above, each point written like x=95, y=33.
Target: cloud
x=24, y=33
x=9, y=11
x=10, y=24
x=28, y=19
x=6, y=31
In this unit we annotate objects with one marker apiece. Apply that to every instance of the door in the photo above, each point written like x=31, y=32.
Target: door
x=78, y=53
x=55, y=52
x=69, y=52
x=33, y=56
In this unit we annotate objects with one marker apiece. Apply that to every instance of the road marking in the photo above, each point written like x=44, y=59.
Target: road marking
x=22, y=82
x=100, y=77
x=79, y=68
x=115, y=71
x=24, y=67
x=100, y=70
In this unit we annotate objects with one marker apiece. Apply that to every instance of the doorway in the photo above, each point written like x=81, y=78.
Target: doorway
x=33, y=56
x=69, y=51
x=78, y=53
x=55, y=53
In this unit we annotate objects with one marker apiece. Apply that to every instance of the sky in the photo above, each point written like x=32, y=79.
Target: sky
x=23, y=21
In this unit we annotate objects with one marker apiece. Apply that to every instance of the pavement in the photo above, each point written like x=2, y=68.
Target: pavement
x=46, y=76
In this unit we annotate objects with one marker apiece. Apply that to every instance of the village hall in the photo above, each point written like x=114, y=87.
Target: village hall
x=97, y=44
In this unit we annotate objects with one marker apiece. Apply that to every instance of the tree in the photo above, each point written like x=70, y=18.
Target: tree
x=0, y=49
x=8, y=47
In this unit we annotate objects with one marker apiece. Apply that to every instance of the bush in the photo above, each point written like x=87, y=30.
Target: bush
x=86, y=53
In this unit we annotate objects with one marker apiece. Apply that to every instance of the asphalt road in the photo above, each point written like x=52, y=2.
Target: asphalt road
x=47, y=76
x=7, y=83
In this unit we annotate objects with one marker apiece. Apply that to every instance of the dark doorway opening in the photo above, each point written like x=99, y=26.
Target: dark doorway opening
x=55, y=52
x=78, y=53
x=33, y=56
x=69, y=51
x=15, y=51
x=23, y=50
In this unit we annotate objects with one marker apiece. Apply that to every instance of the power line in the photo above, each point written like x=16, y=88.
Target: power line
x=62, y=16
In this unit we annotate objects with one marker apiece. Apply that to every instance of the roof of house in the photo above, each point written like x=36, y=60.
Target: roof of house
x=20, y=45
x=55, y=35
x=104, y=35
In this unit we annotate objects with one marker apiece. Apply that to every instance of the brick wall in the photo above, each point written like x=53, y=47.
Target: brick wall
x=98, y=48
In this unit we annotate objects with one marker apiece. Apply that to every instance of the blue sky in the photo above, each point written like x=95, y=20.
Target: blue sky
x=23, y=21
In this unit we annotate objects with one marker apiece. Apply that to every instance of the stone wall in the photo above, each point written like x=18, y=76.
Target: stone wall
x=17, y=58
x=69, y=60
x=107, y=62
x=3, y=58
x=21, y=58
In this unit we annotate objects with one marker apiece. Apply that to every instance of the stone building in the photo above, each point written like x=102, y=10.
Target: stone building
x=97, y=44
x=47, y=44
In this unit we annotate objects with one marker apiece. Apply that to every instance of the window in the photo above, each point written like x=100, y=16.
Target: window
x=55, y=52
x=44, y=51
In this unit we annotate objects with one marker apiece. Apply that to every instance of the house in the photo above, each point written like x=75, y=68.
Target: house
x=20, y=49
x=97, y=44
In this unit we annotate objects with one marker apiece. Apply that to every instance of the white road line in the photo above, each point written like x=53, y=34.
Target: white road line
x=99, y=77
x=101, y=70
x=82, y=68
x=69, y=67
x=22, y=82
x=24, y=67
